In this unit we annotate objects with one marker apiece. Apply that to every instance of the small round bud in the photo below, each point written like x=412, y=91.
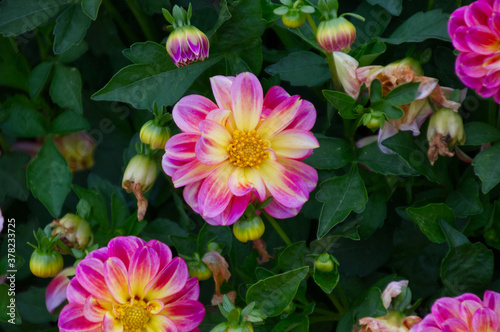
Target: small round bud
x=187, y=44
x=142, y=170
x=249, y=229
x=336, y=34
x=154, y=135
x=199, y=269
x=294, y=18
x=46, y=264
x=73, y=231
x=374, y=120
x=324, y=263
x=446, y=128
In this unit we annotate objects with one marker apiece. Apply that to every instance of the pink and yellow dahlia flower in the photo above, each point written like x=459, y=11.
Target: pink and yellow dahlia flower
x=132, y=285
x=246, y=147
x=475, y=32
x=465, y=313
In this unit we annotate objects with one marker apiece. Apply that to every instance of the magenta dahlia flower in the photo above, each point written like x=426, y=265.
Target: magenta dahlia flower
x=244, y=148
x=131, y=285
x=465, y=313
x=475, y=32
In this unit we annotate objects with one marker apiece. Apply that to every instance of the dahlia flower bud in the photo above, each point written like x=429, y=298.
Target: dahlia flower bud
x=446, y=128
x=198, y=269
x=155, y=135
x=249, y=229
x=336, y=34
x=293, y=18
x=73, y=231
x=78, y=150
x=187, y=44
x=325, y=263
x=374, y=120
x=141, y=170
x=45, y=264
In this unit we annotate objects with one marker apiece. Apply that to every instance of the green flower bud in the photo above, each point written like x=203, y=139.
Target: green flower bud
x=374, y=120
x=446, y=128
x=199, y=269
x=73, y=231
x=46, y=264
x=325, y=263
x=293, y=18
x=154, y=135
x=249, y=229
x=142, y=170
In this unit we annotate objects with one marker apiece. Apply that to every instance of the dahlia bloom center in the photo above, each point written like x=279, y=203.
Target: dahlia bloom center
x=247, y=149
x=135, y=315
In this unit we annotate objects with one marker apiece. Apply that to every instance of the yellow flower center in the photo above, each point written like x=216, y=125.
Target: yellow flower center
x=247, y=149
x=135, y=317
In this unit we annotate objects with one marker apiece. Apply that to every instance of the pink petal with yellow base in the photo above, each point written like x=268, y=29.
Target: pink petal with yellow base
x=93, y=311
x=492, y=301
x=477, y=13
x=75, y=293
x=221, y=87
x=245, y=180
x=445, y=308
x=306, y=172
x=124, y=247
x=278, y=210
x=191, y=172
x=143, y=268
x=214, y=195
x=71, y=319
x=190, y=194
x=163, y=251
x=215, y=132
x=55, y=294
x=305, y=117
x=294, y=143
x=209, y=152
x=190, y=291
x=455, y=325
x=116, y=277
x=185, y=314
x=485, y=320
x=181, y=147
x=279, y=118
x=111, y=324
x=90, y=275
x=161, y=323
x=169, y=281
x=481, y=40
x=235, y=209
x=246, y=101
x=101, y=254
x=473, y=64
x=190, y=110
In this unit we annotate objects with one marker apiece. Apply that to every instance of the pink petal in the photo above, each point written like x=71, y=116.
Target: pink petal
x=180, y=147
x=492, y=301
x=456, y=20
x=275, y=96
x=190, y=291
x=214, y=194
x=485, y=320
x=281, y=116
x=280, y=211
x=445, y=308
x=243, y=180
x=294, y=143
x=221, y=87
x=232, y=213
x=116, y=277
x=220, y=116
x=111, y=323
x=481, y=40
x=171, y=279
x=472, y=64
x=246, y=101
x=143, y=268
x=75, y=293
x=72, y=319
x=210, y=152
x=55, y=294
x=455, y=325
x=477, y=13
x=190, y=195
x=492, y=62
x=124, y=247
x=186, y=314
x=191, y=172
x=93, y=311
x=494, y=24
x=160, y=323
x=306, y=172
x=459, y=39
x=163, y=251
x=90, y=275
x=492, y=80
x=468, y=297
x=305, y=117
x=215, y=132
x=101, y=254
x=467, y=310
x=286, y=187
x=190, y=110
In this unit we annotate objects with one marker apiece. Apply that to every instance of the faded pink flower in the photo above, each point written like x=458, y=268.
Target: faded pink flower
x=246, y=147
x=475, y=32
x=55, y=294
x=132, y=285
x=465, y=313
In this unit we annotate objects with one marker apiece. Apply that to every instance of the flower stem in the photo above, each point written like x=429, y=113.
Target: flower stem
x=333, y=72
x=311, y=23
x=131, y=36
x=142, y=19
x=430, y=4
x=336, y=303
x=278, y=228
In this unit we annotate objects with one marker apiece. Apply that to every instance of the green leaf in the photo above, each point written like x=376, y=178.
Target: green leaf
x=372, y=306
x=332, y=153
x=326, y=280
x=66, y=88
x=133, y=84
x=342, y=102
x=31, y=305
x=292, y=257
x=302, y=69
x=295, y=323
x=69, y=122
x=8, y=308
x=465, y=200
x=392, y=6
x=392, y=112
x=421, y=26
x=185, y=245
x=13, y=175
x=487, y=167
x=373, y=216
x=427, y=218
x=403, y=94
x=479, y=133
x=369, y=52
x=24, y=121
x=38, y=78
x=99, y=212
x=161, y=229
x=149, y=52
x=13, y=65
x=375, y=91
x=387, y=164
x=340, y=196
x=49, y=178
x=272, y=295
x=71, y=27
x=73, y=53
x=222, y=236
x=19, y=16
x=91, y=8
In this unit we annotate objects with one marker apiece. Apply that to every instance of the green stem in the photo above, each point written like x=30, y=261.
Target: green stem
x=430, y=4
x=336, y=303
x=3, y=145
x=343, y=298
x=143, y=20
x=311, y=23
x=323, y=311
x=278, y=229
x=64, y=247
x=331, y=318
x=131, y=36
x=333, y=72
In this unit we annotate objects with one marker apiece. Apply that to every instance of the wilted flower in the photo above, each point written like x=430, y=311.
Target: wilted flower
x=131, y=285
x=446, y=128
x=475, y=31
x=73, y=231
x=243, y=148
x=335, y=34
x=55, y=294
x=78, y=150
x=220, y=271
x=345, y=66
x=465, y=313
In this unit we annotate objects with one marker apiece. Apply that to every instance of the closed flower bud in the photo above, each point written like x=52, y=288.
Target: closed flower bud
x=336, y=34
x=141, y=170
x=73, y=231
x=187, y=44
x=78, y=150
x=324, y=263
x=374, y=120
x=294, y=18
x=199, y=269
x=154, y=135
x=46, y=264
x=446, y=128
x=249, y=229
